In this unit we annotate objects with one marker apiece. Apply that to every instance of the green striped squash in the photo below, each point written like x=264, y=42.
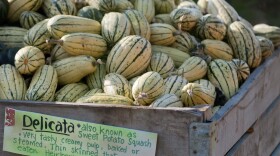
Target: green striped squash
x=167, y=100
x=104, y=5
x=132, y=80
x=91, y=13
x=267, y=46
x=177, y=56
x=162, y=18
x=164, y=6
x=162, y=34
x=58, y=53
x=61, y=25
x=174, y=84
x=206, y=83
x=16, y=7
x=73, y=69
x=43, y=84
x=28, y=19
x=71, y=92
x=242, y=69
x=192, y=69
x=12, y=84
x=184, y=42
x=103, y=98
x=129, y=57
x=115, y=26
x=58, y=7
x=139, y=24
x=211, y=27
x=161, y=63
x=90, y=93
x=116, y=84
x=95, y=79
x=37, y=36
x=29, y=59
x=196, y=94
x=244, y=43
x=185, y=18
x=187, y=4
x=146, y=7
x=147, y=88
x=224, y=76
x=122, y=5
x=12, y=36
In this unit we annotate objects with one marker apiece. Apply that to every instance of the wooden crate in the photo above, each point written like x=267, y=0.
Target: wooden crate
x=230, y=123
x=185, y=131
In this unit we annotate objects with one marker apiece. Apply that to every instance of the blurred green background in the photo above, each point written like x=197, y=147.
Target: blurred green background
x=258, y=11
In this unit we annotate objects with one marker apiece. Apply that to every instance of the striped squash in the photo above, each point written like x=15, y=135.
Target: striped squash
x=242, y=69
x=28, y=19
x=59, y=7
x=16, y=7
x=188, y=4
x=139, y=24
x=223, y=10
x=73, y=69
x=146, y=7
x=174, y=84
x=224, y=76
x=29, y=59
x=147, y=88
x=90, y=93
x=116, y=84
x=91, y=13
x=216, y=49
x=12, y=36
x=115, y=26
x=71, y=92
x=162, y=34
x=167, y=100
x=129, y=57
x=122, y=5
x=192, y=69
x=58, y=53
x=61, y=25
x=103, y=98
x=164, y=6
x=206, y=83
x=211, y=27
x=104, y=5
x=37, y=36
x=195, y=94
x=82, y=44
x=177, y=56
x=244, y=44
x=95, y=79
x=184, y=42
x=162, y=18
x=161, y=63
x=185, y=18
x=266, y=45
x=12, y=84
x=43, y=84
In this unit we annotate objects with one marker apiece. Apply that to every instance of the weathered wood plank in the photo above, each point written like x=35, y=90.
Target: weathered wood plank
x=265, y=136
x=242, y=110
x=170, y=124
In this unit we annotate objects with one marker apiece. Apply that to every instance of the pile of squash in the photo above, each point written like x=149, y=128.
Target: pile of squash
x=157, y=53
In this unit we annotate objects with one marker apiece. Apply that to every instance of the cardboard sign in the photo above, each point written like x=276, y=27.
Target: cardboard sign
x=37, y=134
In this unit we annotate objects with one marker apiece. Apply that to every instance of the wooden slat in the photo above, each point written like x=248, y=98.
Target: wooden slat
x=265, y=136
x=170, y=124
x=243, y=109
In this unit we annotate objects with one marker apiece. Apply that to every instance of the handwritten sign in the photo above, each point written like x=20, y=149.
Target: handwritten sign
x=37, y=134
